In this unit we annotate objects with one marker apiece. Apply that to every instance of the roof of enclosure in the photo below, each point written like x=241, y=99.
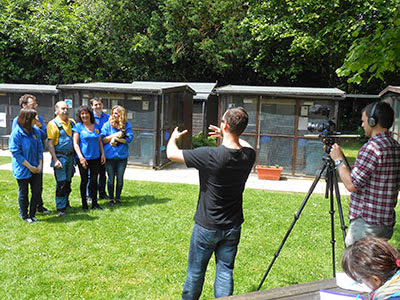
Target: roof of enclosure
x=28, y=88
x=390, y=88
x=203, y=89
x=279, y=91
x=126, y=87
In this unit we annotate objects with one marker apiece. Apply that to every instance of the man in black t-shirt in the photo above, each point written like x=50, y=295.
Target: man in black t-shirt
x=223, y=172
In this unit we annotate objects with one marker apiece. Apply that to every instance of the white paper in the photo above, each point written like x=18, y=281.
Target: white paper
x=345, y=282
x=3, y=122
x=303, y=123
x=331, y=295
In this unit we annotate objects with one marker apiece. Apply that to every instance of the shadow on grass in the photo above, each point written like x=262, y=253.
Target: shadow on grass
x=139, y=200
x=73, y=215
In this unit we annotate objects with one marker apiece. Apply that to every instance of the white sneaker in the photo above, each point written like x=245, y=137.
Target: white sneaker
x=61, y=213
x=29, y=220
x=34, y=219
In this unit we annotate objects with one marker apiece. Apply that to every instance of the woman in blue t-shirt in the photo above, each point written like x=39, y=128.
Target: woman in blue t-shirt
x=116, y=134
x=90, y=153
x=27, y=160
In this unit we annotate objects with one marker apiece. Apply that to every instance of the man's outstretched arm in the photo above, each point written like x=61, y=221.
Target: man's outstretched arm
x=173, y=152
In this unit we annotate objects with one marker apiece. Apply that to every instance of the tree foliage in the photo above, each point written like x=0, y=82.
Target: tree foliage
x=291, y=42
x=375, y=51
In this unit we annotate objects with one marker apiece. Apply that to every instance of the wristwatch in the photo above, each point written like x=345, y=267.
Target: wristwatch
x=338, y=163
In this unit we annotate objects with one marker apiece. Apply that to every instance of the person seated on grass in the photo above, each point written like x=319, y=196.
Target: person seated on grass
x=374, y=262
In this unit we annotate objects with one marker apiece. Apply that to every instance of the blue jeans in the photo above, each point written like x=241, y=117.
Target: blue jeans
x=23, y=191
x=203, y=243
x=115, y=168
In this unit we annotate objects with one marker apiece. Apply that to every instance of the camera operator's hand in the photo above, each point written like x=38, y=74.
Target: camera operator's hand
x=176, y=134
x=336, y=152
x=214, y=131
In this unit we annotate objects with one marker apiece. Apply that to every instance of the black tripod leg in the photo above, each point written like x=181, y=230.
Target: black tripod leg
x=329, y=187
x=296, y=217
x=339, y=204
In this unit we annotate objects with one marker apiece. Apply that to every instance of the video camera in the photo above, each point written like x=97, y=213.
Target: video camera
x=326, y=129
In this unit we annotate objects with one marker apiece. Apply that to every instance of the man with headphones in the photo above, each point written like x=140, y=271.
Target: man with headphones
x=374, y=182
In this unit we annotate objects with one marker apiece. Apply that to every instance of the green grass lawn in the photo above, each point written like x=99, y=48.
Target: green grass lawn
x=350, y=150
x=139, y=250
x=5, y=160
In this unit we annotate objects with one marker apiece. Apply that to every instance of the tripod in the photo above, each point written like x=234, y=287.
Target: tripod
x=331, y=187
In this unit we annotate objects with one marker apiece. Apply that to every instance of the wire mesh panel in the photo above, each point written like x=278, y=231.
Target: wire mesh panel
x=277, y=118
x=274, y=151
x=309, y=156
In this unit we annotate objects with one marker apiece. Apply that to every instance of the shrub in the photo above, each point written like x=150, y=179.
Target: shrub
x=202, y=140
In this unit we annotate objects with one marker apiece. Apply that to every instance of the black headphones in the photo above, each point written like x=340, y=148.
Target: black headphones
x=372, y=119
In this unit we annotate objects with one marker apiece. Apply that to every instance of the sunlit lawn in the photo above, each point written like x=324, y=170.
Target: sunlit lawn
x=139, y=250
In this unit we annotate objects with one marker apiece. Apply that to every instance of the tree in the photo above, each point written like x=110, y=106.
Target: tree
x=375, y=51
x=300, y=42
x=200, y=39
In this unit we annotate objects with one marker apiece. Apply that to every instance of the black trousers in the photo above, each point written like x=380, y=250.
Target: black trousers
x=93, y=167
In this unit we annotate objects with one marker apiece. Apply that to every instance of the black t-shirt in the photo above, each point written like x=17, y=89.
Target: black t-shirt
x=223, y=173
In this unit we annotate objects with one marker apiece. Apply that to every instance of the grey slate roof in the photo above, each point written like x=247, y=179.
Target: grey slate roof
x=203, y=89
x=28, y=88
x=125, y=87
x=279, y=91
x=390, y=88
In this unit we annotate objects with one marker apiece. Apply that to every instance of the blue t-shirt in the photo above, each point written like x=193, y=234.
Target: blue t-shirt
x=102, y=119
x=122, y=150
x=88, y=141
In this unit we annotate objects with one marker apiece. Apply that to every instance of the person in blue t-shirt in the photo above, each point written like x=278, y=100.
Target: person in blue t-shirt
x=90, y=153
x=29, y=101
x=100, y=118
x=116, y=134
x=27, y=160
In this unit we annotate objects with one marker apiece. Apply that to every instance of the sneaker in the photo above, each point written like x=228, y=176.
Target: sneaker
x=111, y=203
x=61, y=213
x=34, y=219
x=44, y=210
x=29, y=220
x=89, y=200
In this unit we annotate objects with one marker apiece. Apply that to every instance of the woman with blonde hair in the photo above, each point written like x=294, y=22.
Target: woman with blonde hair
x=116, y=134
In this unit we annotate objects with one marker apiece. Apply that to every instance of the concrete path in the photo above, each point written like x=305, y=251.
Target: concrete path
x=178, y=173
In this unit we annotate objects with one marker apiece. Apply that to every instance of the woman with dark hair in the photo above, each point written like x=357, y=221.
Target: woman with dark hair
x=27, y=160
x=376, y=263
x=90, y=153
x=117, y=134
